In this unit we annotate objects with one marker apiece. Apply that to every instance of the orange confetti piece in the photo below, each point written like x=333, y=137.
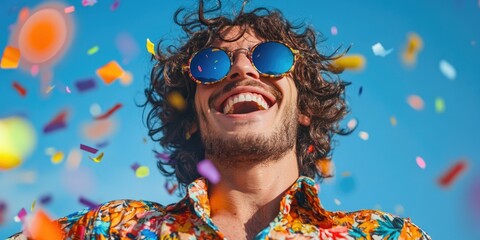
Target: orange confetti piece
x=21, y=90
x=43, y=228
x=110, y=72
x=10, y=58
x=413, y=47
x=177, y=101
x=325, y=167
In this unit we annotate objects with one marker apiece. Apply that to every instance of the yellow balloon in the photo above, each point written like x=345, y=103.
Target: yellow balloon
x=17, y=141
x=9, y=161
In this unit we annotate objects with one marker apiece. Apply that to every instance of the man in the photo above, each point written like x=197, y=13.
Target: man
x=258, y=106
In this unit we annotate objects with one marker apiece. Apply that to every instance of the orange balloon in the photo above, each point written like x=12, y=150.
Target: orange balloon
x=43, y=35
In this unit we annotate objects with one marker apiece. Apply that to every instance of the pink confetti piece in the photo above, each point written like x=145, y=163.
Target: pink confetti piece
x=34, y=70
x=88, y=2
x=67, y=89
x=208, y=170
x=415, y=102
x=88, y=149
x=421, y=163
x=334, y=30
x=69, y=9
x=163, y=157
x=88, y=203
x=115, y=5
x=199, y=68
x=21, y=214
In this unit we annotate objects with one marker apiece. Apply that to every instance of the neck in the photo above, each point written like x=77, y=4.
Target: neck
x=250, y=194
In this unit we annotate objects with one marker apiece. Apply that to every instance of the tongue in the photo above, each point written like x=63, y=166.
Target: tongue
x=246, y=107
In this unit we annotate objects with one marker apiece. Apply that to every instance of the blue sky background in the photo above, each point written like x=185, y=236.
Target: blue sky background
x=383, y=171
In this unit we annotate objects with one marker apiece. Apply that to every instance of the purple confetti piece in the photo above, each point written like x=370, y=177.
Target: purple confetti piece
x=3, y=206
x=46, y=199
x=21, y=214
x=88, y=149
x=134, y=166
x=208, y=170
x=162, y=156
x=85, y=84
x=54, y=126
x=88, y=203
x=115, y=5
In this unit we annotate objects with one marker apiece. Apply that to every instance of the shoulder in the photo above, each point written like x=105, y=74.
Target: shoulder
x=119, y=218
x=378, y=225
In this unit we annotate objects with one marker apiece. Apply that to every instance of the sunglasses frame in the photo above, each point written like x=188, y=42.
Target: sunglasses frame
x=296, y=55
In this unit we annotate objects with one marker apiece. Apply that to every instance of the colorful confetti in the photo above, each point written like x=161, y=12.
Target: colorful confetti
x=352, y=124
x=310, y=149
x=126, y=79
x=33, y=205
x=452, y=174
x=84, y=85
x=363, y=135
x=93, y=50
x=56, y=123
x=135, y=166
x=98, y=158
x=399, y=210
x=337, y=202
x=10, y=58
x=208, y=170
x=334, y=30
x=350, y=62
x=98, y=130
x=95, y=109
x=325, y=167
x=115, y=5
x=447, y=69
x=34, y=70
x=88, y=203
x=88, y=149
x=109, y=112
x=69, y=9
x=42, y=227
x=22, y=214
x=413, y=47
x=20, y=89
x=170, y=187
x=177, y=101
x=74, y=159
x=57, y=157
x=378, y=50
x=162, y=157
x=415, y=102
x=393, y=121
x=110, y=72
x=421, y=163
x=150, y=47
x=142, y=171
x=67, y=89
x=439, y=105
x=45, y=199
x=88, y=2
x=360, y=90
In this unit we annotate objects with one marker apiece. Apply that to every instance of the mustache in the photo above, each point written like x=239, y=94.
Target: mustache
x=253, y=83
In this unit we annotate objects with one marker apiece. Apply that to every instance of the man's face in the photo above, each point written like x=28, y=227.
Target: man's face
x=246, y=117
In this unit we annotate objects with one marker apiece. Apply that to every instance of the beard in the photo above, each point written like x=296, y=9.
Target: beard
x=252, y=148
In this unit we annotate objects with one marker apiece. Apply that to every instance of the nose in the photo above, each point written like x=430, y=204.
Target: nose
x=242, y=67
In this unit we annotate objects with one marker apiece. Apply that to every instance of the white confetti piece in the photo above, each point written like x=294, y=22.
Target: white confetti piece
x=363, y=135
x=447, y=69
x=334, y=30
x=378, y=50
x=337, y=202
x=208, y=170
x=399, y=209
x=352, y=124
x=95, y=109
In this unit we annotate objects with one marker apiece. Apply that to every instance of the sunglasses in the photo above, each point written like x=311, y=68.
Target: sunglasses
x=270, y=59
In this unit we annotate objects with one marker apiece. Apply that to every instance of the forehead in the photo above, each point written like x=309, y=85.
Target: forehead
x=248, y=39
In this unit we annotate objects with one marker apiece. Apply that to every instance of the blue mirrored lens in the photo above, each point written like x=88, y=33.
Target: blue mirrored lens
x=210, y=65
x=272, y=58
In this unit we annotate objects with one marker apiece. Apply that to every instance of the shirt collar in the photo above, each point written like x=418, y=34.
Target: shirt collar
x=304, y=191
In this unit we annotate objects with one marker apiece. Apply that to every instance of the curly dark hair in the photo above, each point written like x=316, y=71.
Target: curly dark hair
x=320, y=91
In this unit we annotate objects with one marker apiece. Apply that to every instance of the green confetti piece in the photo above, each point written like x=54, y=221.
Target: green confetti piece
x=93, y=50
x=439, y=105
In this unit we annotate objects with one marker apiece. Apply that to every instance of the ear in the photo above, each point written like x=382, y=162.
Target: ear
x=304, y=120
x=193, y=129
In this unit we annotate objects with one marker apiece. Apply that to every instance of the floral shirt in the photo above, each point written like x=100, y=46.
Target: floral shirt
x=301, y=216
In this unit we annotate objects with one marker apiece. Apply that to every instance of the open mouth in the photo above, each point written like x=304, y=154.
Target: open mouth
x=244, y=103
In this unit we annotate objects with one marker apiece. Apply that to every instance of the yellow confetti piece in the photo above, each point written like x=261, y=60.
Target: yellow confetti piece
x=98, y=158
x=439, y=105
x=142, y=171
x=49, y=89
x=351, y=62
x=93, y=50
x=150, y=47
x=412, y=48
x=57, y=157
x=10, y=58
x=110, y=72
x=33, y=205
x=177, y=101
x=393, y=121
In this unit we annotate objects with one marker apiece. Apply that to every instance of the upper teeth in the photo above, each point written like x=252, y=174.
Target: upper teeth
x=244, y=97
